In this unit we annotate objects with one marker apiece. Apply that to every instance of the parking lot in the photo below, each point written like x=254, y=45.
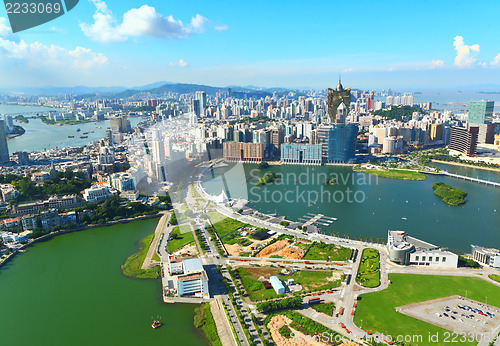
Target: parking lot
x=457, y=314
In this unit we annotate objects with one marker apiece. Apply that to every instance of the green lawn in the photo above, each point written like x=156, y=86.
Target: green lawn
x=494, y=277
x=310, y=280
x=393, y=174
x=179, y=239
x=132, y=265
x=326, y=308
x=377, y=309
x=226, y=225
x=328, y=252
x=203, y=318
x=369, y=269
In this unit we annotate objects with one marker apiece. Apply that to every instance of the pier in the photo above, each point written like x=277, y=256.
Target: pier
x=318, y=219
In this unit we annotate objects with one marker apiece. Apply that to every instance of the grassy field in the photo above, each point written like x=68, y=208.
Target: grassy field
x=326, y=308
x=226, y=225
x=328, y=252
x=132, y=266
x=494, y=277
x=393, y=174
x=376, y=309
x=180, y=239
x=204, y=319
x=369, y=269
x=310, y=280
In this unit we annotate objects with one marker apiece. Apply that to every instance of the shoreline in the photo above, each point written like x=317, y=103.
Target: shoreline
x=76, y=229
x=467, y=165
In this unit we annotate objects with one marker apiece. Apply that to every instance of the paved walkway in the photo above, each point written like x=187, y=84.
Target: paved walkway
x=224, y=330
x=154, y=244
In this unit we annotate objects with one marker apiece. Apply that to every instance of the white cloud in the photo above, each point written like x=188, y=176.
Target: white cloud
x=142, y=21
x=466, y=55
x=198, y=23
x=437, y=63
x=496, y=61
x=221, y=27
x=180, y=63
x=37, y=54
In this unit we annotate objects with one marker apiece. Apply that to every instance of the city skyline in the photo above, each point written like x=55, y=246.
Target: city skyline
x=108, y=43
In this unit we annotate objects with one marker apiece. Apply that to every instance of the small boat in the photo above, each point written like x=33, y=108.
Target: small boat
x=71, y=136
x=85, y=133
x=78, y=130
x=84, y=136
x=403, y=218
x=91, y=131
x=156, y=324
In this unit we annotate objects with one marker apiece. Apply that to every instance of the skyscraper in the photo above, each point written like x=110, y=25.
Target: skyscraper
x=4, y=149
x=336, y=97
x=202, y=97
x=342, y=143
x=480, y=112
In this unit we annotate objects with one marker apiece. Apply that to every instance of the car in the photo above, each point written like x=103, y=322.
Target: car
x=445, y=314
x=453, y=317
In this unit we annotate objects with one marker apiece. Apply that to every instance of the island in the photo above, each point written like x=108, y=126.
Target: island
x=448, y=194
x=401, y=174
x=268, y=178
x=21, y=119
x=18, y=131
x=73, y=121
x=331, y=181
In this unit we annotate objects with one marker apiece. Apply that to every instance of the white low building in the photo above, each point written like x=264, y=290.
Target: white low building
x=97, y=193
x=406, y=250
x=186, y=277
x=486, y=256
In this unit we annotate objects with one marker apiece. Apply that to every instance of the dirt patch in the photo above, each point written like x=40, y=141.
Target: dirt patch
x=264, y=272
x=187, y=250
x=300, y=339
x=282, y=248
x=336, y=275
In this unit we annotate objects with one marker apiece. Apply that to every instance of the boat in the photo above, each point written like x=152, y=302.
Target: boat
x=78, y=130
x=403, y=218
x=91, y=131
x=84, y=136
x=71, y=136
x=85, y=133
x=156, y=324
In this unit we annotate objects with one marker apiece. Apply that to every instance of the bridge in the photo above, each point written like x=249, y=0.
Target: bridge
x=477, y=180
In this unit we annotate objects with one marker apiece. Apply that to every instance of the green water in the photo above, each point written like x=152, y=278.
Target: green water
x=70, y=291
x=381, y=204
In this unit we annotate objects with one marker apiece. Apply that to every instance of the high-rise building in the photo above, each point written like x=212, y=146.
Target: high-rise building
x=337, y=97
x=120, y=124
x=248, y=152
x=342, y=143
x=436, y=132
x=4, y=149
x=301, y=154
x=480, y=112
x=196, y=107
x=202, y=97
x=464, y=140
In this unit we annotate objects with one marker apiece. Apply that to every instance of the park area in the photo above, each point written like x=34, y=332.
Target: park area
x=377, y=309
x=369, y=269
x=180, y=237
x=328, y=252
x=310, y=280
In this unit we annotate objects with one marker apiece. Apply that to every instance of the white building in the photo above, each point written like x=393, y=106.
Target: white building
x=486, y=256
x=406, y=250
x=122, y=181
x=186, y=277
x=97, y=193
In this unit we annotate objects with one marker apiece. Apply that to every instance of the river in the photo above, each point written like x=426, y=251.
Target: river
x=39, y=136
x=70, y=291
x=369, y=206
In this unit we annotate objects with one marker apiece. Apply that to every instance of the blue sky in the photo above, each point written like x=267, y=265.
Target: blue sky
x=397, y=44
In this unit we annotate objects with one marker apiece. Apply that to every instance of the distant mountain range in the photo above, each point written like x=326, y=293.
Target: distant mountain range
x=154, y=89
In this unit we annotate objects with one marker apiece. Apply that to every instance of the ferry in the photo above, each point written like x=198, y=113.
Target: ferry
x=156, y=324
